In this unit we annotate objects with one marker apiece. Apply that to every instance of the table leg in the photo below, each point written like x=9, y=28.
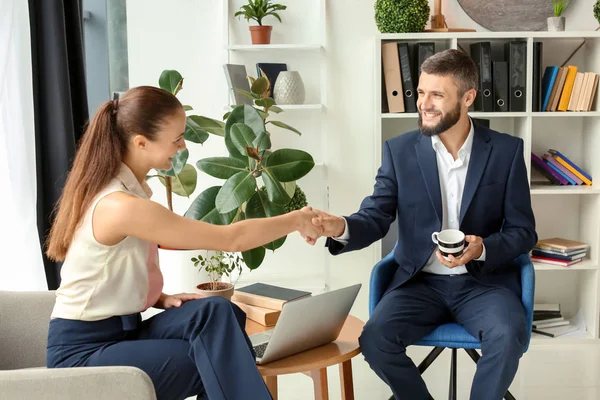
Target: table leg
x=271, y=382
x=346, y=380
x=319, y=377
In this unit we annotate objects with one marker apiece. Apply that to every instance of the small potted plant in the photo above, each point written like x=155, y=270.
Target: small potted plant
x=597, y=11
x=557, y=22
x=257, y=10
x=217, y=265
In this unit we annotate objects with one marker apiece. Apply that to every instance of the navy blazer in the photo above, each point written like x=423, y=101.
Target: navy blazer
x=496, y=205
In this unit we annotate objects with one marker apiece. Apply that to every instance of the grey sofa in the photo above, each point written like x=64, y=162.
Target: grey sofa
x=24, y=319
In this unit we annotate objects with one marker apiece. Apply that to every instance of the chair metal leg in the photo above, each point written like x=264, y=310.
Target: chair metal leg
x=475, y=357
x=433, y=354
x=452, y=391
x=473, y=354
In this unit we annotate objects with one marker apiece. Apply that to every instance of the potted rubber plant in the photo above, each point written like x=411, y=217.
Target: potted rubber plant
x=257, y=10
x=259, y=181
x=556, y=23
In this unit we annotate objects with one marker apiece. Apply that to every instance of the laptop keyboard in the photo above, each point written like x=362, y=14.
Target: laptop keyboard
x=260, y=349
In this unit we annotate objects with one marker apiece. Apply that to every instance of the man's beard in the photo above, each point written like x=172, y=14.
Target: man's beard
x=447, y=121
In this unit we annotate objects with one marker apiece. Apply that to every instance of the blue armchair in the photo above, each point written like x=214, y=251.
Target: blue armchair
x=452, y=335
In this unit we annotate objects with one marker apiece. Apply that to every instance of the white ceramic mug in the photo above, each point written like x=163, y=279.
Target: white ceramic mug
x=449, y=241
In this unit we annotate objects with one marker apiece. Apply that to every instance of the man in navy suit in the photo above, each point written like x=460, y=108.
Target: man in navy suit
x=449, y=174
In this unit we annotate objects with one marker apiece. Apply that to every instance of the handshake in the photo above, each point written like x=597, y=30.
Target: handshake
x=316, y=223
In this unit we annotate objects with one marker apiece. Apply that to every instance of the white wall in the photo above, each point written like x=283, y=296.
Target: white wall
x=188, y=35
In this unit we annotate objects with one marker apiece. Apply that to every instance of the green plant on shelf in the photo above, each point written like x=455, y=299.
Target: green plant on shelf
x=258, y=9
x=560, y=6
x=394, y=16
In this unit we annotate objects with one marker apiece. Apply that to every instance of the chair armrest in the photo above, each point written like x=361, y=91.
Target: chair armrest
x=100, y=383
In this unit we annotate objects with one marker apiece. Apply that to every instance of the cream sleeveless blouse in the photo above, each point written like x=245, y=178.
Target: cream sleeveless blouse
x=99, y=281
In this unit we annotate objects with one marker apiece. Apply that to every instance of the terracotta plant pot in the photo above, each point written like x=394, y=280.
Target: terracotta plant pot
x=223, y=290
x=261, y=34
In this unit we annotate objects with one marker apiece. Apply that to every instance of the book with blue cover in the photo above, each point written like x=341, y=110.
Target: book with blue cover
x=547, y=84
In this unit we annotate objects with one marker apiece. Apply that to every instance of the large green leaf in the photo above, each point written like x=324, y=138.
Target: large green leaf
x=290, y=187
x=203, y=208
x=259, y=206
x=253, y=258
x=184, y=183
x=285, y=126
x=177, y=164
x=242, y=114
x=193, y=132
x=237, y=190
x=169, y=81
x=288, y=165
x=262, y=141
x=276, y=191
x=209, y=125
x=260, y=85
x=221, y=167
x=242, y=136
x=187, y=108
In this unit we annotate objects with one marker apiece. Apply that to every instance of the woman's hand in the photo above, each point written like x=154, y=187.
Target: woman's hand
x=175, y=300
x=306, y=227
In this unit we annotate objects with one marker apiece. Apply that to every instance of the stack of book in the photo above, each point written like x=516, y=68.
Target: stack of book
x=548, y=321
x=567, y=89
x=263, y=303
x=559, y=251
x=559, y=170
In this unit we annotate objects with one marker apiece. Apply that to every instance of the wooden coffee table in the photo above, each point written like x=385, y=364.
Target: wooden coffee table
x=314, y=362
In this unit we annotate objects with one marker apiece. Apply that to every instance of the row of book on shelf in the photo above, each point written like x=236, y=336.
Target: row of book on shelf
x=559, y=251
x=502, y=82
x=549, y=321
x=559, y=169
x=567, y=89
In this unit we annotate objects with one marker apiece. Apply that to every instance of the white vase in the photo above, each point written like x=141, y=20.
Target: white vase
x=289, y=88
x=556, y=24
x=179, y=273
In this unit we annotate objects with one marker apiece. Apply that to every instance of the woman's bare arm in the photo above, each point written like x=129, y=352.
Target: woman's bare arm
x=119, y=215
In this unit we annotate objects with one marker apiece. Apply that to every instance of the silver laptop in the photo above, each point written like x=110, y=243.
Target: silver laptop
x=304, y=324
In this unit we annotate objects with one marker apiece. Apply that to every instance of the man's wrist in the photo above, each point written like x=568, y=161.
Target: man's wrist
x=340, y=227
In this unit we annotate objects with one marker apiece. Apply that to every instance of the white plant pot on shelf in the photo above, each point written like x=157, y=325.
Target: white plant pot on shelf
x=179, y=273
x=289, y=88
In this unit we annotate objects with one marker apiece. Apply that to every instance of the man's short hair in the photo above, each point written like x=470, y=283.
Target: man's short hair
x=456, y=64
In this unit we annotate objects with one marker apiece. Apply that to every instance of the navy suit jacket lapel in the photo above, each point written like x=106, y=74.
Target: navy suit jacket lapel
x=426, y=158
x=480, y=153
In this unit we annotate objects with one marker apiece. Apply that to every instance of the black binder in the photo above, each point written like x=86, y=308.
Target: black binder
x=536, y=104
x=481, y=53
x=516, y=56
x=410, y=95
x=423, y=50
x=500, y=84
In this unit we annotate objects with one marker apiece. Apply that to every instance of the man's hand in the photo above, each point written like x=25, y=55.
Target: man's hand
x=167, y=301
x=331, y=225
x=471, y=252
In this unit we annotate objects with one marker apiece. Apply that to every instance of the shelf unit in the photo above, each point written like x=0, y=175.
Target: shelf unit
x=300, y=42
x=567, y=211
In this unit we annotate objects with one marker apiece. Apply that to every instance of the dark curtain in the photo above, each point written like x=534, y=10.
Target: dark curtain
x=60, y=104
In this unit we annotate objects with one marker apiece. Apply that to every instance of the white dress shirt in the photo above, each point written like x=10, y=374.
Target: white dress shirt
x=452, y=174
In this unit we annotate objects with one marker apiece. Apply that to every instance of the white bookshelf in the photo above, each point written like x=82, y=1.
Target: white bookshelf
x=567, y=211
x=300, y=42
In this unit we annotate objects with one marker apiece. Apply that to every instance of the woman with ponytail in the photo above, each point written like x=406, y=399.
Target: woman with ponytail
x=106, y=229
